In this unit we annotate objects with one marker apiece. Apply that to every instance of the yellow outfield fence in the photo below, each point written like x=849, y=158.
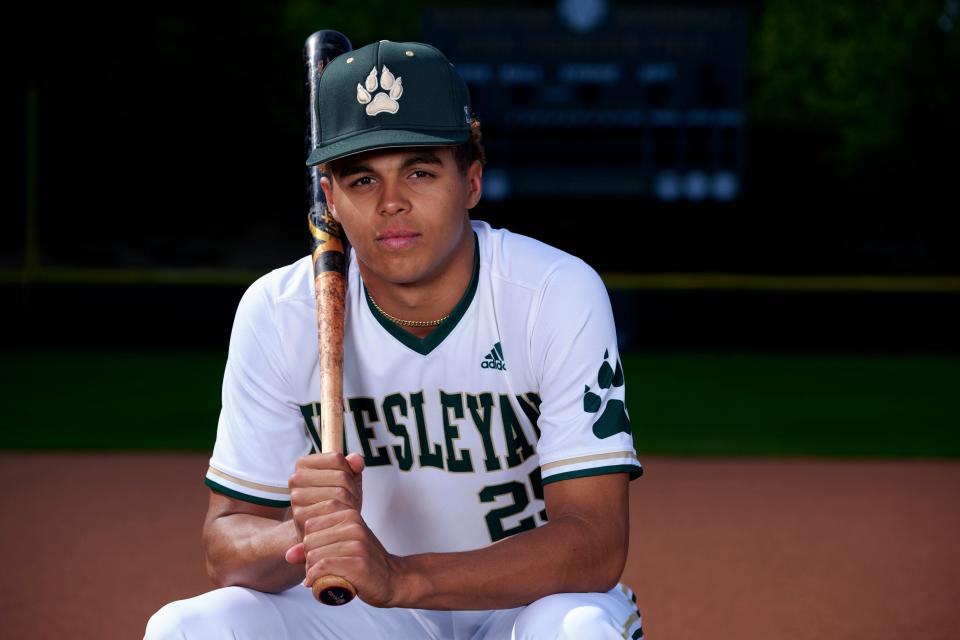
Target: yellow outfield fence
x=615, y=281
x=798, y=283
x=129, y=276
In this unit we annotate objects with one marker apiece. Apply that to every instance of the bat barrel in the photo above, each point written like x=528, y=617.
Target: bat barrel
x=319, y=49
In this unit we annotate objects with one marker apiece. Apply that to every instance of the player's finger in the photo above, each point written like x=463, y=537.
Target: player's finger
x=324, y=508
x=327, y=536
x=329, y=521
x=334, y=559
x=306, y=478
x=296, y=554
x=307, y=496
x=301, y=515
x=324, y=461
x=356, y=462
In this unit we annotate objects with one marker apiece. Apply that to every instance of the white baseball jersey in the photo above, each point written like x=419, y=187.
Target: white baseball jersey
x=520, y=387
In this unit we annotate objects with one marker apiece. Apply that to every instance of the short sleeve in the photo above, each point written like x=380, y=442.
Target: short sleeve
x=584, y=424
x=261, y=432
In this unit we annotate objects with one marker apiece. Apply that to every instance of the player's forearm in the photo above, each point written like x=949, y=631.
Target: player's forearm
x=248, y=551
x=563, y=556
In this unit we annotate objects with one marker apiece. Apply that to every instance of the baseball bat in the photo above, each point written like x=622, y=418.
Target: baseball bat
x=328, y=247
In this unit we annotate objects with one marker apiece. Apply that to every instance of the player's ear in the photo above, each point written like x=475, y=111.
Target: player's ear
x=474, y=183
x=327, y=187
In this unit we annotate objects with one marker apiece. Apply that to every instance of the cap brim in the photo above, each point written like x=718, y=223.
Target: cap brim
x=384, y=139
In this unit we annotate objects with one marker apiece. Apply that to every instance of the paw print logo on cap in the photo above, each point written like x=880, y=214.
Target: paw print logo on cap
x=382, y=102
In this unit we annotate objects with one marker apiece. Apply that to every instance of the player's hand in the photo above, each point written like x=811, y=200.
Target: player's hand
x=325, y=483
x=341, y=544
x=326, y=496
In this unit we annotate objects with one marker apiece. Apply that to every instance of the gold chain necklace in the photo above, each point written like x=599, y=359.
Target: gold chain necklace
x=406, y=323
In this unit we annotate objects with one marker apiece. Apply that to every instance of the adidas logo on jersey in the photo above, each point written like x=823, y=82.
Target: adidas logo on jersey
x=494, y=359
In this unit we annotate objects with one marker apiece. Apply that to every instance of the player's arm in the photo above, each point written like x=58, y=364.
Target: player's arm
x=244, y=544
x=260, y=435
x=582, y=548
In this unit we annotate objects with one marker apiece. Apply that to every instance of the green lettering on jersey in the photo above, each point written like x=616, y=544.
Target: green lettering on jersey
x=482, y=414
x=359, y=407
x=309, y=412
x=458, y=460
x=518, y=448
x=427, y=458
x=518, y=492
x=403, y=454
x=530, y=404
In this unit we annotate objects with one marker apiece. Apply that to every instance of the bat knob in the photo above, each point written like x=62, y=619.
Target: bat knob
x=333, y=591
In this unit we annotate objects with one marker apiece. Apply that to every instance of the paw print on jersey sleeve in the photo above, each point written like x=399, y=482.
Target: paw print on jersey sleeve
x=614, y=417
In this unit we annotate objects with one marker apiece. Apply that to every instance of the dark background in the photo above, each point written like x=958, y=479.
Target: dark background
x=150, y=138
x=157, y=170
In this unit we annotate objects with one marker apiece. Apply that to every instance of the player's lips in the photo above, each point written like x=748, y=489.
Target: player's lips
x=398, y=238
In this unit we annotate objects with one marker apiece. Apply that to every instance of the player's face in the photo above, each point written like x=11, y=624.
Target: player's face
x=405, y=211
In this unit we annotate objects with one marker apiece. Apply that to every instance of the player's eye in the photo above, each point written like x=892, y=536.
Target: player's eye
x=362, y=181
x=420, y=173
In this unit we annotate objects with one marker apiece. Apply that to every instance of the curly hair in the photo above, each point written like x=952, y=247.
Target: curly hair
x=472, y=149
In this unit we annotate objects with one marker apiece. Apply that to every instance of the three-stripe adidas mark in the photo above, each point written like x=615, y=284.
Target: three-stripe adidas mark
x=494, y=359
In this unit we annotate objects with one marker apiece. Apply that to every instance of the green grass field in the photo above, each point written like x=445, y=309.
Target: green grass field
x=717, y=404
x=819, y=405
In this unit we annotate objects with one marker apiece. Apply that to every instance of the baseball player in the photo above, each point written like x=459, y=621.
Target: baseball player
x=483, y=493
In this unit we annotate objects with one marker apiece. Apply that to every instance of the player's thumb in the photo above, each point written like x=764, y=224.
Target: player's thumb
x=295, y=554
x=355, y=460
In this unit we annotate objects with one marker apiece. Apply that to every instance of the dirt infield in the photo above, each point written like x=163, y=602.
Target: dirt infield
x=743, y=549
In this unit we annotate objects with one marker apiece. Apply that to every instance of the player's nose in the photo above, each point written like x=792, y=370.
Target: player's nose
x=393, y=200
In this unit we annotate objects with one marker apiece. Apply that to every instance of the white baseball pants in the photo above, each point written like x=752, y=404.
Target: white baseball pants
x=237, y=613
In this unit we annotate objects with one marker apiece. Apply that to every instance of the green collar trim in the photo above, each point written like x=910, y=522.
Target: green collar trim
x=424, y=346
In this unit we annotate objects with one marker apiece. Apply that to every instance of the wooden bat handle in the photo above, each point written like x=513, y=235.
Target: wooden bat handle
x=330, y=284
x=331, y=290
x=329, y=247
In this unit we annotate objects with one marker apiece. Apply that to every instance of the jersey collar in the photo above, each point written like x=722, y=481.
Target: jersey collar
x=424, y=346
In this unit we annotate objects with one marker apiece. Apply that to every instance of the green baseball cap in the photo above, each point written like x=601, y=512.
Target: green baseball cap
x=389, y=94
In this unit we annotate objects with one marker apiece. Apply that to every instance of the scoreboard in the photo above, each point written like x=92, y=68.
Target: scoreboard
x=590, y=100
